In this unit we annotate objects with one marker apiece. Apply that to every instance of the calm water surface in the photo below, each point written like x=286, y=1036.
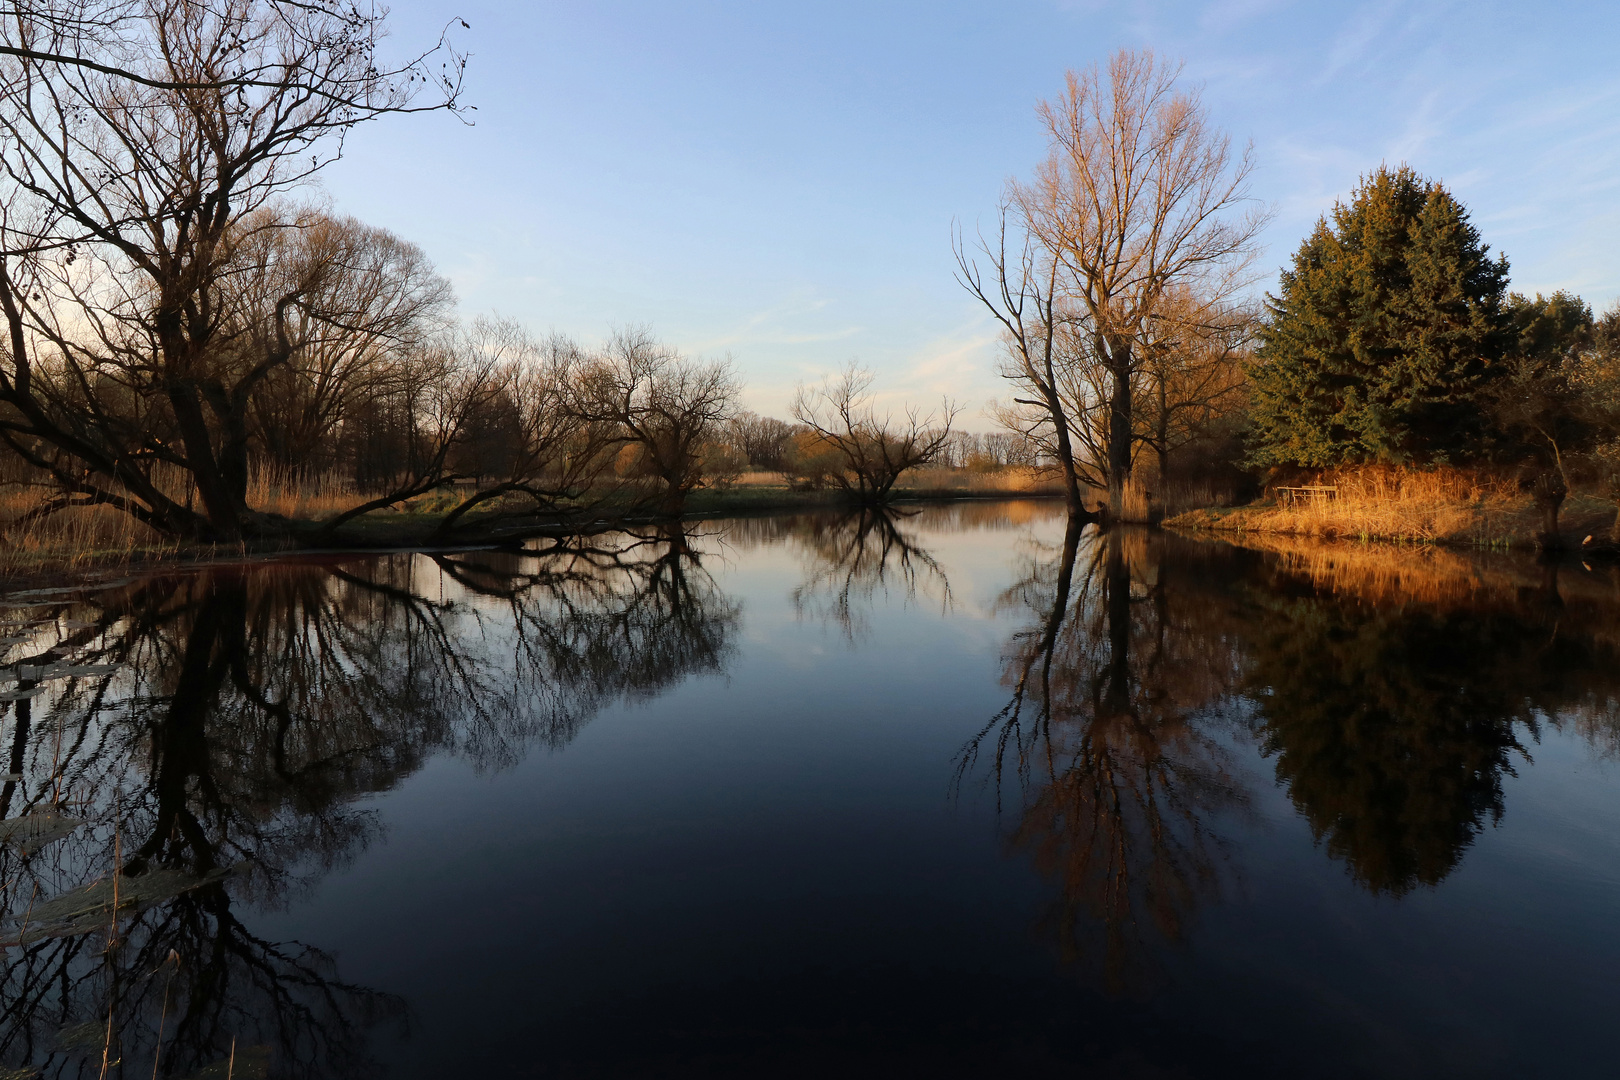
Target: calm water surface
x=951, y=793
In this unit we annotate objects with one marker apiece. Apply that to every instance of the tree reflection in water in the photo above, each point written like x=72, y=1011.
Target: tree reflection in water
x=1394, y=716
x=853, y=558
x=1393, y=693
x=251, y=707
x=1107, y=734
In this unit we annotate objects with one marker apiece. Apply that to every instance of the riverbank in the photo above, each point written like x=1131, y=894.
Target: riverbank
x=417, y=527
x=1500, y=522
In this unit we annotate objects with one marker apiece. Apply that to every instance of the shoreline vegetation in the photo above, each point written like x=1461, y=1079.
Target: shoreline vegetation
x=1376, y=509
x=97, y=539
x=1445, y=507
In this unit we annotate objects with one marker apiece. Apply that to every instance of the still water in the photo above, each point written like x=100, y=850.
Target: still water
x=949, y=793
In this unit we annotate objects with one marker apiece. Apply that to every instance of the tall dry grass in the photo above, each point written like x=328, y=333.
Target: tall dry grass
x=70, y=539
x=81, y=537
x=302, y=496
x=1013, y=478
x=1436, y=505
x=1148, y=500
x=1396, y=503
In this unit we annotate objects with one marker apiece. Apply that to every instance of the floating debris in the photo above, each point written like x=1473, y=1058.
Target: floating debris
x=77, y=624
x=20, y=695
x=23, y=1072
x=34, y=830
x=249, y=1063
x=48, y=672
x=82, y=911
x=10, y=777
x=63, y=670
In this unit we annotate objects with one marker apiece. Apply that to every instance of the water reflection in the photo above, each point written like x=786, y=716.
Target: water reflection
x=1394, y=722
x=1392, y=691
x=1108, y=733
x=211, y=736
x=855, y=558
x=208, y=736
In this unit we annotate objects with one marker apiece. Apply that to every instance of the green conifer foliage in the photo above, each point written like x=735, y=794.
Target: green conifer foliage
x=1386, y=327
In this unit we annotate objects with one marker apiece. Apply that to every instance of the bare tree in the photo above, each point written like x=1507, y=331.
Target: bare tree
x=765, y=441
x=1193, y=373
x=374, y=299
x=1138, y=196
x=1023, y=298
x=873, y=449
x=666, y=407
x=139, y=143
x=554, y=461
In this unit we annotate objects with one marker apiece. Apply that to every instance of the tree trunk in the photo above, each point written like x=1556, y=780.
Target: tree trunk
x=1119, y=428
x=1065, y=452
x=1162, y=433
x=222, y=510
x=1549, y=492
x=1116, y=697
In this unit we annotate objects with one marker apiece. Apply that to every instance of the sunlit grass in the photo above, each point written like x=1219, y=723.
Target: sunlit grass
x=1425, y=506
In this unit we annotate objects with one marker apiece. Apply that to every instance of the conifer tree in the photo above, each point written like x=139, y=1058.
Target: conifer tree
x=1386, y=328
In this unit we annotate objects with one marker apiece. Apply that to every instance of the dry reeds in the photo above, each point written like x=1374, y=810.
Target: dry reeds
x=1379, y=502
x=1013, y=479
x=83, y=536
x=70, y=539
x=303, y=496
x=1395, y=503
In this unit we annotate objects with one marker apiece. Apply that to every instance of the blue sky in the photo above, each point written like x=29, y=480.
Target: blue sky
x=778, y=182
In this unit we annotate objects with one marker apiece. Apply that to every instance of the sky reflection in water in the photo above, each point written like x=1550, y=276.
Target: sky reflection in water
x=938, y=793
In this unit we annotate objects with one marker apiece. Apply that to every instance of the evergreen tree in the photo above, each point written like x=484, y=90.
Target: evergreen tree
x=1385, y=330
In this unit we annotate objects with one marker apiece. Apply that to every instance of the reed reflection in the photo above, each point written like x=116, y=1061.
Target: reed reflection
x=1107, y=736
x=199, y=743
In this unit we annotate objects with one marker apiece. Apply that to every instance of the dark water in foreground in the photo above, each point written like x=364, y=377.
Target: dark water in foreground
x=951, y=794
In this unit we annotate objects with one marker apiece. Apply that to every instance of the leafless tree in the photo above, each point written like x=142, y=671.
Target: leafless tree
x=873, y=449
x=374, y=299
x=553, y=461
x=140, y=143
x=1139, y=195
x=1193, y=373
x=666, y=407
x=765, y=441
x=1023, y=297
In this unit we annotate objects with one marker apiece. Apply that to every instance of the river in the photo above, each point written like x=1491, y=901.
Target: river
x=949, y=791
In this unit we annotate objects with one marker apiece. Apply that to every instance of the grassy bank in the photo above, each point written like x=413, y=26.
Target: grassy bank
x=99, y=538
x=1445, y=506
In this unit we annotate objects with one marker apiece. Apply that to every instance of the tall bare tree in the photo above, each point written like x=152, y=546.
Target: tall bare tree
x=373, y=299
x=1139, y=195
x=138, y=142
x=1192, y=371
x=1023, y=297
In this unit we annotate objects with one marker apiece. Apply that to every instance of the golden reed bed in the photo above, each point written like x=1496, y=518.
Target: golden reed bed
x=1427, y=506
